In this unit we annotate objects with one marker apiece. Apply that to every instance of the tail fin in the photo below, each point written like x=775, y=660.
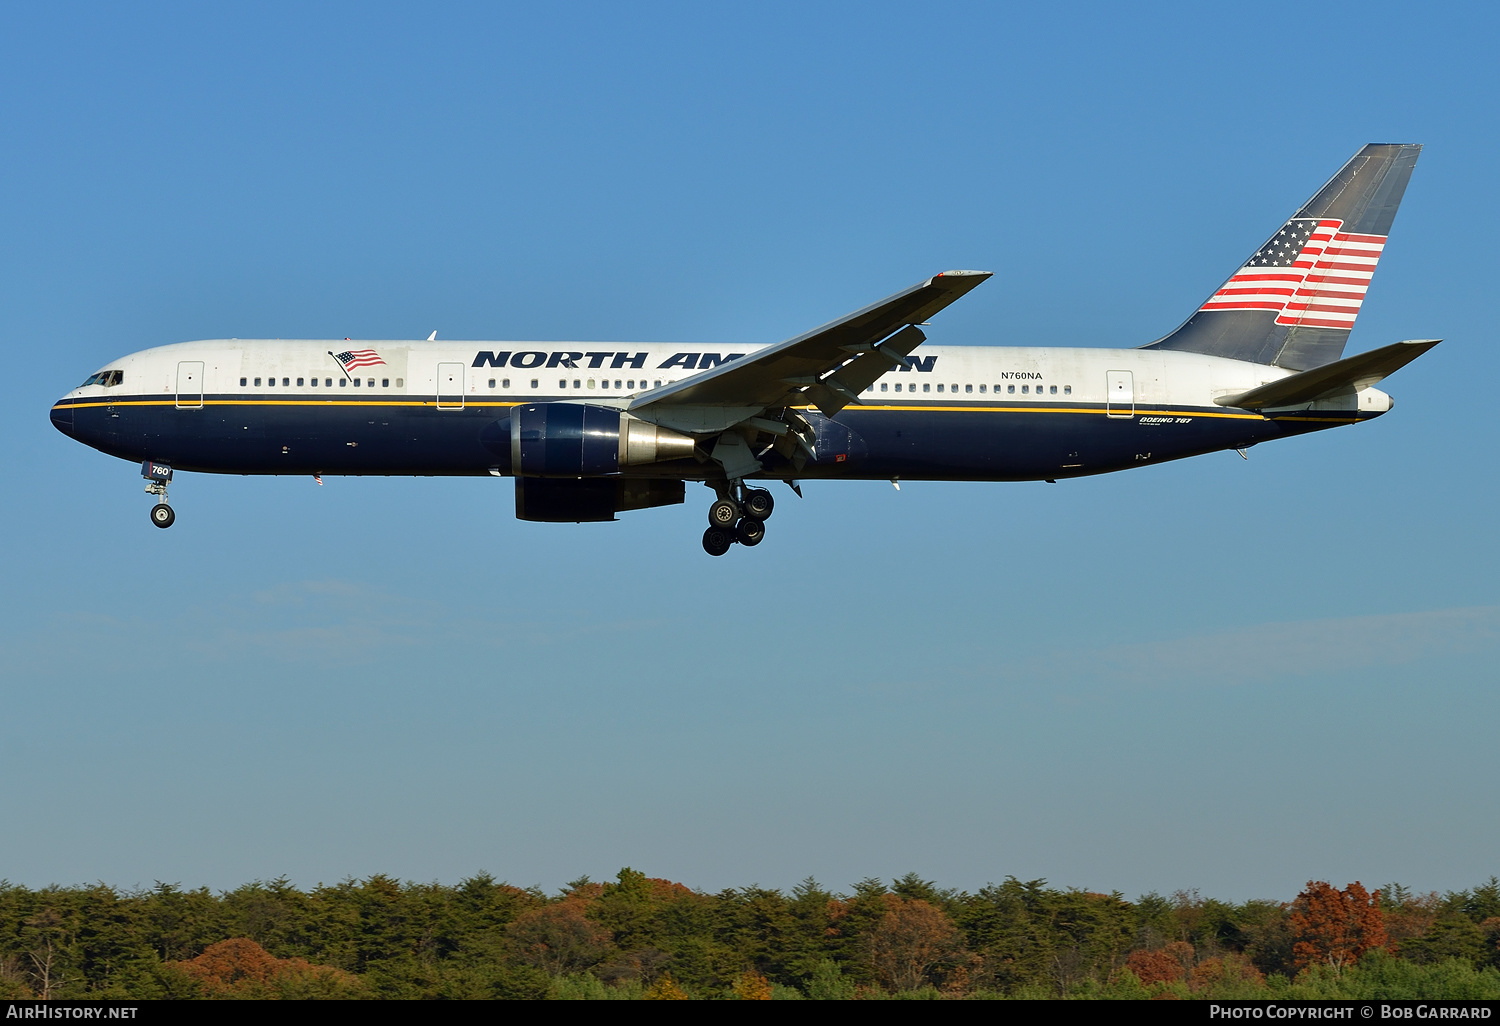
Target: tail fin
x=1293, y=302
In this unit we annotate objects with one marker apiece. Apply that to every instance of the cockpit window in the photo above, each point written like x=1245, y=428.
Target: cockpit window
x=108, y=379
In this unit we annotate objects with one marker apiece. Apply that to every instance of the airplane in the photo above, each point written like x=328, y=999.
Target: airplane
x=590, y=430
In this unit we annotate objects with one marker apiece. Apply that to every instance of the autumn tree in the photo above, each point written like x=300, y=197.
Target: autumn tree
x=241, y=968
x=910, y=942
x=1334, y=927
x=1225, y=975
x=752, y=986
x=1168, y=964
x=559, y=938
x=665, y=989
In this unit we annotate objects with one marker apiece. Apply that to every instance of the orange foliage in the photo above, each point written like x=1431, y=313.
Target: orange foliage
x=752, y=986
x=1334, y=927
x=912, y=940
x=835, y=910
x=239, y=967
x=1228, y=970
x=1163, y=965
x=666, y=890
x=559, y=938
x=665, y=989
x=588, y=892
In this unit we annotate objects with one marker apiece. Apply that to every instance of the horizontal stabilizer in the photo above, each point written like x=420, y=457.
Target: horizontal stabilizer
x=1337, y=378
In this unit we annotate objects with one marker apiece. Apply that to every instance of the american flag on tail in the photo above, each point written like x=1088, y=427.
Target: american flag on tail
x=1311, y=273
x=355, y=358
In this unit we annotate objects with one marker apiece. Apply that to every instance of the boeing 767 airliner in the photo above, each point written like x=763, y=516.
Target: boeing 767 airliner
x=589, y=430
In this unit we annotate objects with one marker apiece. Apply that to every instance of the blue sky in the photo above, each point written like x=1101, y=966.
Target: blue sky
x=1224, y=674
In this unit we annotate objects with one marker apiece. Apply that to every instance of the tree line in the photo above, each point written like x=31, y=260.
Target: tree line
x=643, y=937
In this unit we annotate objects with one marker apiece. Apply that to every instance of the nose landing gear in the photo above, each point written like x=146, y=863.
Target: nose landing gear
x=731, y=520
x=157, y=475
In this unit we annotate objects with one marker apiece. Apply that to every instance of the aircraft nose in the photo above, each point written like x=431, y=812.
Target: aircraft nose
x=62, y=419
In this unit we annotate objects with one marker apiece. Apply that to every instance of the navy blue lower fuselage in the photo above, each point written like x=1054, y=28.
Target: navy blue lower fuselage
x=958, y=441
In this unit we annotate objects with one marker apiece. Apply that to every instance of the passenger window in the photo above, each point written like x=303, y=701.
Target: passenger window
x=981, y=390
x=1010, y=389
x=505, y=383
x=882, y=386
x=562, y=383
x=343, y=382
x=313, y=382
x=286, y=382
x=630, y=383
x=492, y=382
x=940, y=388
x=576, y=384
x=1053, y=390
x=385, y=382
x=656, y=384
x=928, y=388
x=400, y=382
x=954, y=389
x=1025, y=389
x=371, y=382
x=270, y=382
x=617, y=384
x=299, y=382
x=257, y=382
x=968, y=389
x=242, y=382
x=898, y=386
x=533, y=383
x=356, y=382
x=591, y=382
x=1067, y=390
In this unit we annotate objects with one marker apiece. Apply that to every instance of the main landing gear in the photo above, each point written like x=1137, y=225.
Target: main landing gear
x=157, y=475
x=740, y=520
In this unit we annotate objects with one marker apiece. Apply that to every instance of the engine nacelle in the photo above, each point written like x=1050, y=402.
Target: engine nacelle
x=578, y=440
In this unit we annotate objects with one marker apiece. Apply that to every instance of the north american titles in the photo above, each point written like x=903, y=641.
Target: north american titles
x=530, y=359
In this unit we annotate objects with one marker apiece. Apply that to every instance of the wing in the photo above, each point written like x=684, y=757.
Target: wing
x=828, y=366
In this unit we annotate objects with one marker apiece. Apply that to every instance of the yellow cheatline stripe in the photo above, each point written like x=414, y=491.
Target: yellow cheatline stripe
x=1056, y=409
x=934, y=408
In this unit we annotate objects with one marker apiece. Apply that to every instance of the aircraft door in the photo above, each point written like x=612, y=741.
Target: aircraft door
x=450, y=386
x=1119, y=388
x=190, y=385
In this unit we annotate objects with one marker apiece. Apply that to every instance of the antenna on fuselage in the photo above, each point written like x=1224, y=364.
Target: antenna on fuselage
x=432, y=337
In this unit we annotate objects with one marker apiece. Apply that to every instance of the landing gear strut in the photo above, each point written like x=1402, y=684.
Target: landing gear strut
x=157, y=475
x=733, y=520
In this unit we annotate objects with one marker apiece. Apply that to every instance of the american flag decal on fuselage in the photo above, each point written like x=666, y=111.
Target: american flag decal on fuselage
x=354, y=358
x=1311, y=273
